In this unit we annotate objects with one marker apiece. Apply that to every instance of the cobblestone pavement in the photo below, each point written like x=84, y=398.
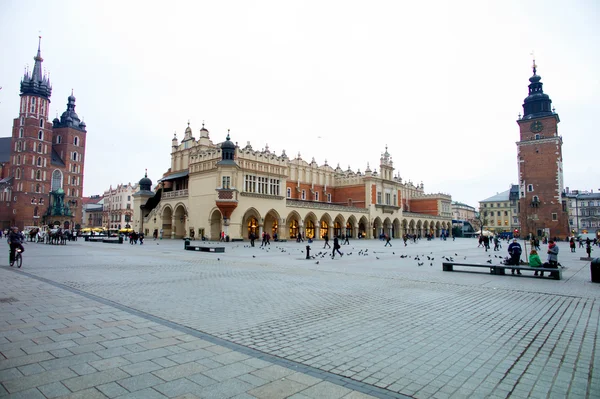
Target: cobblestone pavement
x=392, y=325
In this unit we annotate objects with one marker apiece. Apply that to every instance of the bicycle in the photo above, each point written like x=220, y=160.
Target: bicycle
x=18, y=258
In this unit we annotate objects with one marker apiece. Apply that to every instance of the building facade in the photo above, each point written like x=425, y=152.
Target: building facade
x=464, y=220
x=93, y=208
x=43, y=166
x=118, y=207
x=499, y=213
x=584, y=211
x=542, y=210
x=214, y=188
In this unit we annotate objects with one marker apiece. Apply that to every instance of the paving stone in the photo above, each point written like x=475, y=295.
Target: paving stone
x=139, y=382
x=109, y=363
x=54, y=390
x=23, y=360
x=229, y=371
x=277, y=389
x=28, y=394
x=147, y=393
x=179, y=371
x=202, y=380
x=140, y=368
x=326, y=390
x=35, y=380
x=225, y=389
x=69, y=361
x=272, y=373
x=92, y=380
x=112, y=389
x=178, y=388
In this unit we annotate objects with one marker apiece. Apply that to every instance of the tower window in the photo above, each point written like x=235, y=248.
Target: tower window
x=41, y=122
x=554, y=216
x=39, y=161
x=39, y=148
x=40, y=135
x=21, y=133
x=529, y=188
x=328, y=197
x=537, y=136
x=58, y=139
x=76, y=141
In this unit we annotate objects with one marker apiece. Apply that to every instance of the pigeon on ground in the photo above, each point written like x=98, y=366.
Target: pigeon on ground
x=420, y=264
x=317, y=262
x=254, y=256
x=489, y=261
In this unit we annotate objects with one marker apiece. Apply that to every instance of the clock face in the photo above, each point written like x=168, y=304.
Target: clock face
x=536, y=127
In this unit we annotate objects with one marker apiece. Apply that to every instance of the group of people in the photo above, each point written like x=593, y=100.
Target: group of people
x=134, y=237
x=515, y=251
x=588, y=245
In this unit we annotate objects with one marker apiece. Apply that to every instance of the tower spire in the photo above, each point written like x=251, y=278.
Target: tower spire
x=36, y=84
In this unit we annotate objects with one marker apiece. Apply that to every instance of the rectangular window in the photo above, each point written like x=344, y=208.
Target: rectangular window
x=316, y=195
x=289, y=192
x=379, y=197
x=328, y=197
x=388, y=198
x=554, y=216
x=226, y=182
x=303, y=194
x=395, y=200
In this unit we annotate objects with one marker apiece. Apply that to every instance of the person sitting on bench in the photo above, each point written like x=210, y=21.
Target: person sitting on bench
x=534, y=260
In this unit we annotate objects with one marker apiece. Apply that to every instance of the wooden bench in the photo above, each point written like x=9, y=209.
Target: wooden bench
x=501, y=269
x=204, y=248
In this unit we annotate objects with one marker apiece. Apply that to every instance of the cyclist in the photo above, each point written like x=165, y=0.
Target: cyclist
x=15, y=240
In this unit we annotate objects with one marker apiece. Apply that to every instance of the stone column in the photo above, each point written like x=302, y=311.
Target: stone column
x=317, y=232
x=173, y=221
x=282, y=231
x=260, y=232
x=355, y=232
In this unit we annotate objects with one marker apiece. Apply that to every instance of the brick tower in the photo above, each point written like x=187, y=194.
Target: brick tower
x=542, y=211
x=45, y=159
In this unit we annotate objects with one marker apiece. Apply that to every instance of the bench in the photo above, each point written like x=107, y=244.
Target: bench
x=501, y=269
x=204, y=248
x=237, y=240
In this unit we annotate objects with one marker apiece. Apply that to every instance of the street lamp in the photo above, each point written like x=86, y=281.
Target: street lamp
x=577, y=211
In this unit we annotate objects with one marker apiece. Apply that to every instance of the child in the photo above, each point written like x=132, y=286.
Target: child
x=534, y=260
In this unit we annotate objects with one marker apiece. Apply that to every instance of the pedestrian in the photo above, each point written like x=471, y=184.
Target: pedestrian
x=588, y=249
x=515, y=250
x=486, y=243
x=336, y=247
x=572, y=244
x=141, y=238
x=161, y=233
x=405, y=238
x=387, y=241
x=534, y=260
x=155, y=234
x=496, y=243
x=192, y=234
x=326, y=238
x=252, y=238
x=264, y=239
x=347, y=241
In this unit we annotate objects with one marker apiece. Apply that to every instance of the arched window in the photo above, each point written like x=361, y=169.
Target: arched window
x=74, y=156
x=18, y=160
x=41, y=122
x=41, y=201
x=530, y=187
x=76, y=141
x=40, y=135
x=39, y=162
x=18, y=173
x=37, y=188
x=38, y=175
x=58, y=139
x=56, y=180
x=35, y=212
x=39, y=148
x=19, y=146
x=21, y=133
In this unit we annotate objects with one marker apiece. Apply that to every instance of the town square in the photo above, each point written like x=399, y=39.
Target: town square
x=327, y=199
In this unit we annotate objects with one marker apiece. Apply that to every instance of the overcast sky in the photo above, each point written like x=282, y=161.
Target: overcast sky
x=441, y=83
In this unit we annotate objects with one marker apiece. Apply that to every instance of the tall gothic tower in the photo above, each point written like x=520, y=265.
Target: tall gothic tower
x=540, y=165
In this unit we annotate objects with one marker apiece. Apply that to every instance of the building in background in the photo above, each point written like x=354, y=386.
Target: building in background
x=118, y=207
x=542, y=211
x=42, y=162
x=499, y=213
x=212, y=189
x=464, y=221
x=93, y=208
x=584, y=211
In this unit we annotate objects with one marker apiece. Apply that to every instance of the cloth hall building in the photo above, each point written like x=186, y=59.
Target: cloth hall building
x=214, y=188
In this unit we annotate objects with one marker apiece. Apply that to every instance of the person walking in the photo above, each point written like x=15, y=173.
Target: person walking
x=572, y=244
x=336, y=247
x=387, y=241
x=515, y=251
x=252, y=238
x=326, y=238
x=588, y=249
x=347, y=240
x=496, y=243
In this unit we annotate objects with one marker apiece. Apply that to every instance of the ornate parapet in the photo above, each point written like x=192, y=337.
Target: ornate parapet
x=175, y=194
x=323, y=205
x=414, y=215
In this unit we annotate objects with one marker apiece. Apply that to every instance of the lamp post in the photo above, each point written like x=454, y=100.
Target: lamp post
x=577, y=211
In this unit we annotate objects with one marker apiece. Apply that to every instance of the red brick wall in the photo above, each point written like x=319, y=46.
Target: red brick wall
x=426, y=206
x=341, y=195
x=373, y=194
x=538, y=166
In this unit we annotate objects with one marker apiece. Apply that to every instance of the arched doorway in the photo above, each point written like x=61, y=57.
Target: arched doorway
x=338, y=226
x=362, y=227
x=396, y=228
x=350, y=224
x=419, y=228
x=215, y=225
x=272, y=223
x=387, y=227
x=324, y=231
x=66, y=225
x=180, y=219
x=438, y=228
x=310, y=224
x=166, y=218
x=251, y=223
x=411, y=227
x=426, y=227
x=293, y=221
x=377, y=228
x=404, y=226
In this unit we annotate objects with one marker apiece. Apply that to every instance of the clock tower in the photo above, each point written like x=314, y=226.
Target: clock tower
x=542, y=211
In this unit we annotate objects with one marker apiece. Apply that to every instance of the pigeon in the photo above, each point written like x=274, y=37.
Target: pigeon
x=489, y=261
x=393, y=253
x=431, y=264
x=254, y=256
x=317, y=262
x=455, y=254
x=218, y=258
x=420, y=264
x=377, y=257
